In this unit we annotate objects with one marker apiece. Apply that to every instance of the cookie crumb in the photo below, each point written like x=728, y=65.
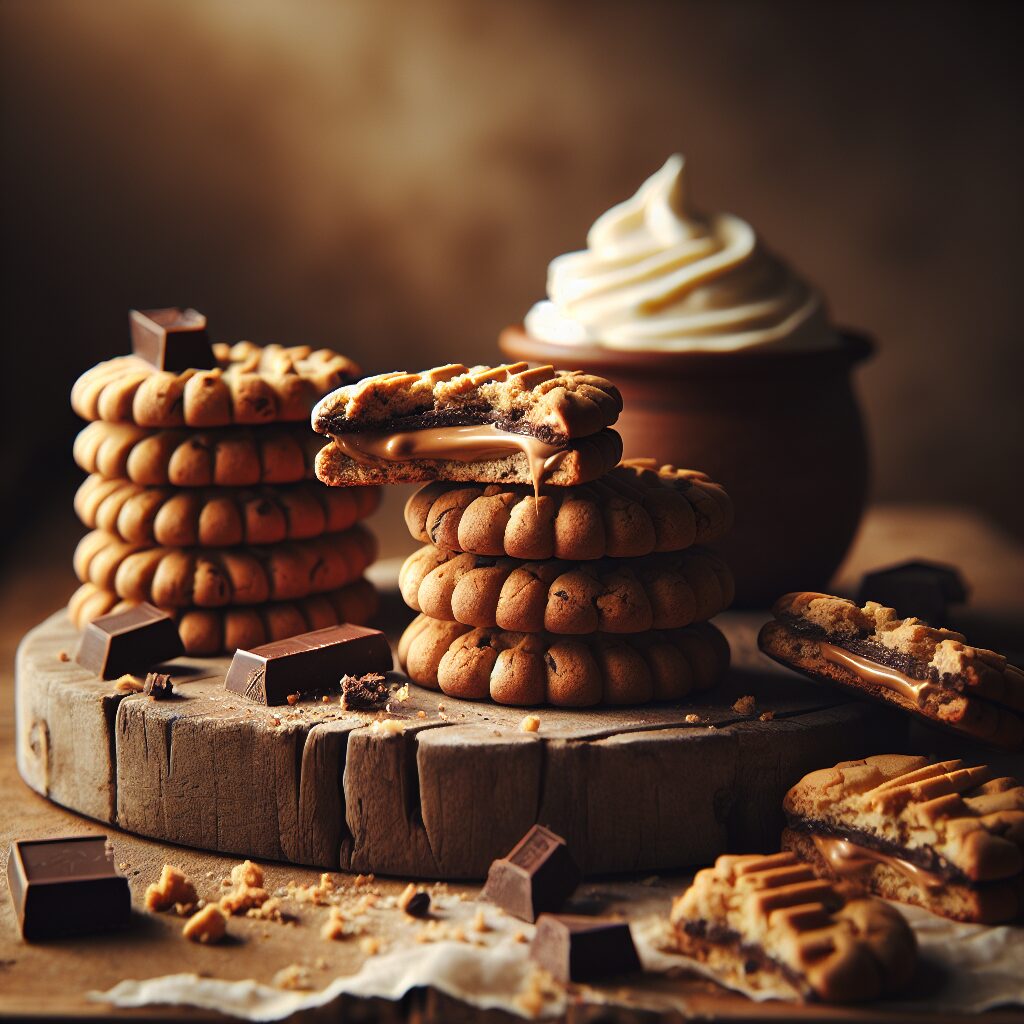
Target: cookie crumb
x=325, y=699
x=334, y=926
x=692, y=719
x=370, y=945
x=531, y=723
x=766, y=716
x=402, y=693
x=158, y=686
x=421, y=714
x=414, y=902
x=128, y=684
x=480, y=922
x=293, y=699
x=273, y=721
x=209, y=925
x=63, y=656
x=172, y=888
x=387, y=726
x=293, y=977
x=518, y=937
x=745, y=705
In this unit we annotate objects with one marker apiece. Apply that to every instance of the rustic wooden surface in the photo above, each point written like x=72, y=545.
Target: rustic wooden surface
x=51, y=980
x=632, y=789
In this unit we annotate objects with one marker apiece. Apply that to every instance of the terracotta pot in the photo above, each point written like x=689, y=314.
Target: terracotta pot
x=781, y=431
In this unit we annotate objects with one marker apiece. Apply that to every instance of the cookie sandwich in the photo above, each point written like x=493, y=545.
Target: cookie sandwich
x=769, y=925
x=942, y=835
x=933, y=674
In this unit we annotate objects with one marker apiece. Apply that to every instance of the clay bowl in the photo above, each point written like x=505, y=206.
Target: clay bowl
x=782, y=432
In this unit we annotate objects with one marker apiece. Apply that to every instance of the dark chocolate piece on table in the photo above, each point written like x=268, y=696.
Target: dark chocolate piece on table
x=308, y=663
x=63, y=887
x=537, y=876
x=922, y=590
x=573, y=948
x=364, y=693
x=158, y=685
x=172, y=339
x=131, y=641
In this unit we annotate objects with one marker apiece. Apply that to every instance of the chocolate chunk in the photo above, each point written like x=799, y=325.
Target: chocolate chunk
x=65, y=887
x=308, y=663
x=131, y=641
x=573, y=948
x=158, y=685
x=924, y=590
x=172, y=339
x=364, y=693
x=414, y=902
x=536, y=877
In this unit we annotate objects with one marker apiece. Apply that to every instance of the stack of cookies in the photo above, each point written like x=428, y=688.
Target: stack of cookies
x=550, y=573
x=200, y=495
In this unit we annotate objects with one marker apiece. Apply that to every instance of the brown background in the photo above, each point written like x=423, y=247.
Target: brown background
x=392, y=179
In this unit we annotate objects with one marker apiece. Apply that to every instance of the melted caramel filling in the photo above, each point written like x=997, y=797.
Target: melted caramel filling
x=846, y=858
x=916, y=691
x=461, y=444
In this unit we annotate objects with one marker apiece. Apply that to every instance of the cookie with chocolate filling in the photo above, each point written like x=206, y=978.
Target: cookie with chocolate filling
x=943, y=835
x=767, y=924
x=637, y=508
x=220, y=517
x=491, y=424
x=217, y=577
x=251, y=384
x=568, y=671
x=932, y=673
x=631, y=595
x=229, y=457
x=210, y=631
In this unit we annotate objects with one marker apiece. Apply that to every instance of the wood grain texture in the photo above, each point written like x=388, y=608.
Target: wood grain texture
x=632, y=789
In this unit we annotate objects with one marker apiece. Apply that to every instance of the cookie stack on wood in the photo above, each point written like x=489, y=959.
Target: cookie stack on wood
x=200, y=495
x=551, y=574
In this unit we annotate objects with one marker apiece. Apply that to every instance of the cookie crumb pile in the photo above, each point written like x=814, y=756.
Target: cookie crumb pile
x=200, y=496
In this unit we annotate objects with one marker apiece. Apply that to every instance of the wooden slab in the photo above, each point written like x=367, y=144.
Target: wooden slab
x=632, y=789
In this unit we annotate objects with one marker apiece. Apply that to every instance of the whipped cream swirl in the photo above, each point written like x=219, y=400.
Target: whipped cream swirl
x=657, y=276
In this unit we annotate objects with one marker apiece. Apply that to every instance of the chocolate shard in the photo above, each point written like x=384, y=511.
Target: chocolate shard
x=924, y=590
x=172, y=339
x=66, y=886
x=537, y=876
x=574, y=948
x=364, y=693
x=131, y=641
x=158, y=685
x=308, y=663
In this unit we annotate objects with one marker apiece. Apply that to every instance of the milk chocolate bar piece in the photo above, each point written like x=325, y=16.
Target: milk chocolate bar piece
x=536, y=877
x=573, y=948
x=130, y=641
x=308, y=663
x=66, y=886
x=172, y=339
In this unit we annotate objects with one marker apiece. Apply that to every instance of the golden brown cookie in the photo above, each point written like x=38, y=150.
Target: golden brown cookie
x=210, y=631
x=665, y=591
x=230, y=457
x=509, y=423
x=220, y=517
x=252, y=384
x=540, y=668
x=767, y=924
x=932, y=673
x=635, y=509
x=215, y=577
x=945, y=836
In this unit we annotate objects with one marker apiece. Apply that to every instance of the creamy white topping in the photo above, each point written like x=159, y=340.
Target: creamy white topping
x=658, y=276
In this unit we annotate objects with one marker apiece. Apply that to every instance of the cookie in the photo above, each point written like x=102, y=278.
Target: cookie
x=540, y=668
x=492, y=424
x=932, y=673
x=943, y=835
x=230, y=457
x=252, y=384
x=767, y=924
x=211, y=631
x=664, y=591
x=220, y=517
x=215, y=577
x=634, y=510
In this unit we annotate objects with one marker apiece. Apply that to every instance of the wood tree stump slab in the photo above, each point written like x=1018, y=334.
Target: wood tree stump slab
x=632, y=789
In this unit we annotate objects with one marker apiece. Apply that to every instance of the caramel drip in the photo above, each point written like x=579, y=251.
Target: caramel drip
x=847, y=858
x=914, y=690
x=461, y=444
